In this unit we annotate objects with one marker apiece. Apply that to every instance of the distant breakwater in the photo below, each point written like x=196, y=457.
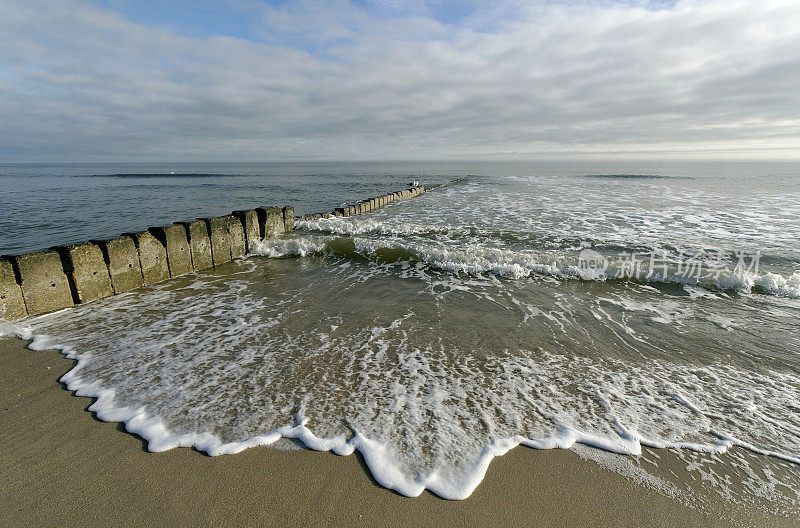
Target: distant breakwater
x=64, y=276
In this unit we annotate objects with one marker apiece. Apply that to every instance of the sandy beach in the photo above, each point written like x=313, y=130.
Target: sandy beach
x=61, y=466
x=390, y=264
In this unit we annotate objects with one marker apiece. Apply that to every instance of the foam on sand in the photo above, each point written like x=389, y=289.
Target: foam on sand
x=218, y=364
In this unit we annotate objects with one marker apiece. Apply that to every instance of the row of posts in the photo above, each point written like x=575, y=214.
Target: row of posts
x=63, y=276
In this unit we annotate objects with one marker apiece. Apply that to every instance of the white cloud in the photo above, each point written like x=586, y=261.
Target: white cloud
x=717, y=78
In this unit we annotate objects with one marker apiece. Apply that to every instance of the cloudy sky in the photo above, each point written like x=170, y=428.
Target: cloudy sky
x=126, y=80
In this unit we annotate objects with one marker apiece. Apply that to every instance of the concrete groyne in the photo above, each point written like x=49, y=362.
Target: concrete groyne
x=64, y=276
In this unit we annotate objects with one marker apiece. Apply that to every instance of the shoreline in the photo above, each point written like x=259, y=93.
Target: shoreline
x=64, y=466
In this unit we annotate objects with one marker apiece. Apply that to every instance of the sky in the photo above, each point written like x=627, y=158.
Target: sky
x=252, y=80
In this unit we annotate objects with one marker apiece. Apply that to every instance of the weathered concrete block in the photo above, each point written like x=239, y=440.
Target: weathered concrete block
x=122, y=259
x=44, y=286
x=288, y=218
x=12, y=305
x=271, y=219
x=350, y=210
x=220, y=240
x=236, y=236
x=339, y=211
x=152, y=257
x=175, y=241
x=252, y=229
x=199, y=244
x=87, y=271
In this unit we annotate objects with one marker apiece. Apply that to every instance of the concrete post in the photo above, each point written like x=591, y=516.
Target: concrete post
x=87, y=271
x=44, y=286
x=179, y=256
x=199, y=244
x=152, y=257
x=288, y=218
x=236, y=237
x=271, y=219
x=252, y=229
x=124, y=267
x=12, y=306
x=220, y=240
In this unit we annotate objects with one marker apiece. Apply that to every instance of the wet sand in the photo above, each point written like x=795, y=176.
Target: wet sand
x=63, y=467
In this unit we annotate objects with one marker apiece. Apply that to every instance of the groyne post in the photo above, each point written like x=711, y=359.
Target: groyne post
x=252, y=229
x=152, y=257
x=236, y=237
x=288, y=218
x=12, y=306
x=220, y=240
x=87, y=271
x=199, y=244
x=176, y=244
x=44, y=284
x=122, y=259
x=272, y=222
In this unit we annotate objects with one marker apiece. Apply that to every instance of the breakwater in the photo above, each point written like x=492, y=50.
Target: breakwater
x=64, y=276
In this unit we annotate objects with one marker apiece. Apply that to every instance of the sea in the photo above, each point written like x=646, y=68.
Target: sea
x=629, y=311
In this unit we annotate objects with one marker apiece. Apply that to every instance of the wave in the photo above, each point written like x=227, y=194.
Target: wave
x=514, y=264
x=159, y=175
x=628, y=176
x=282, y=247
x=382, y=462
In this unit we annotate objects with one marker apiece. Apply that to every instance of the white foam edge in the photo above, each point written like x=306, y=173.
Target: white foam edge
x=515, y=266
x=380, y=462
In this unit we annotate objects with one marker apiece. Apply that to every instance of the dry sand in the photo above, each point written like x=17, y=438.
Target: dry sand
x=62, y=467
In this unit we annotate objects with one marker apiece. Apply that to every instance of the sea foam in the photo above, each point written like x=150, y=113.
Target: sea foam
x=427, y=409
